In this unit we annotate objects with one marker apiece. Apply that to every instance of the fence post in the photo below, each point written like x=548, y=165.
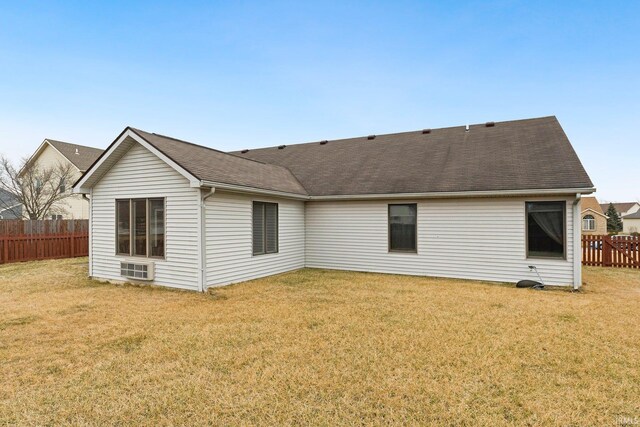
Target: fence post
x=71, y=244
x=607, y=247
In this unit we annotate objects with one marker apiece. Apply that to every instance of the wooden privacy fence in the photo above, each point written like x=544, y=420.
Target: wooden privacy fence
x=43, y=239
x=611, y=251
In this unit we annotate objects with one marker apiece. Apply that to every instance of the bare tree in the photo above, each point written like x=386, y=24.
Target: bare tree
x=37, y=190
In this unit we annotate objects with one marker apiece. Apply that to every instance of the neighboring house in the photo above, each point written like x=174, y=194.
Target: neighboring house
x=631, y=223
x=594, y=221
x=480, y=202
x=624, y=209
x=51, y=153
x=10, y=207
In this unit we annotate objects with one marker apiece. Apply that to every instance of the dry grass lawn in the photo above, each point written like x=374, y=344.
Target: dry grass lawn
x=316, y=347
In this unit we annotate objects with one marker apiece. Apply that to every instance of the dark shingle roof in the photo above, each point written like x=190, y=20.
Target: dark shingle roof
x=212, y=165
x=85, y=155
x=620, y=207
x=635, y=215
x=515, y=155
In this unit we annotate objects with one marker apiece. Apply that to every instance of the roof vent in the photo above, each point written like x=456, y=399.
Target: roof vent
x=426, y=131
x=280, y=147
x=466, y=128
x=371, y=137
x=490, y=124
x=323, y=142
x=244, y=151
x=77, y=152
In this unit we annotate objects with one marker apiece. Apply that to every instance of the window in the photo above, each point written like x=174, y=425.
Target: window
x=55, y=217
x=62, y=187
x=156, y=227
x=546, y=229
x=140, y=227
x=402, y=228
x=265, y=228
x=588, y=223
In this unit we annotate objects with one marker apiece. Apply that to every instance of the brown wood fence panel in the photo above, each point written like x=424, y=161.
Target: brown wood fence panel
x=43, y=239
x=611, y=251
x=18, y=227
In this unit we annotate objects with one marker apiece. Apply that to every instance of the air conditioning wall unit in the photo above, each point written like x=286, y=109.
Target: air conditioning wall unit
x=138, y=270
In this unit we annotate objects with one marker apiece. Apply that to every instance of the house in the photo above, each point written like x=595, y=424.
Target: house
x=623, y=209
x=10, y=207
x=594, y=221
x=52, y=153
x=631, y=223
x=476, y=202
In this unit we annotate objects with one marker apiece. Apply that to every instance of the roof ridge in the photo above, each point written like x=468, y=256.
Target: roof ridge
x=203, y=146
x=71, y=143
x=402, y=133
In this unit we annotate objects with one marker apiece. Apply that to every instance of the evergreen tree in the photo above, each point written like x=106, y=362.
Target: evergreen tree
x=614, y=222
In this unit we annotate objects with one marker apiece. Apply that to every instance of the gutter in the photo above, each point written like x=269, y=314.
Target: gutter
x=430, y=195
x=88, y=199
x=252, y=190
x=456, y=194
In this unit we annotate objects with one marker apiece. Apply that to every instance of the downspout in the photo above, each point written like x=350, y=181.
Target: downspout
x=84, y=196
x=577, y=244
x=203, y=236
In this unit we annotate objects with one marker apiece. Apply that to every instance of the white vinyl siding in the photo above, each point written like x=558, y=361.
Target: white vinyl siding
x=141, y=174
x=229, y=248
x=481, y=239
x=73, y=206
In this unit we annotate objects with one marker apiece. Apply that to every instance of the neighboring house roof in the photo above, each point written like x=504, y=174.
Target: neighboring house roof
x=635, y=215
x=515, y=155
x=80, y=156
x=620, y=207
x=530, y=155
x=591, y=204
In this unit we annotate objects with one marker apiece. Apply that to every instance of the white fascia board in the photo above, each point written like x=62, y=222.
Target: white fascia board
x=80, y=185
x=593, y=211
x=252, y=190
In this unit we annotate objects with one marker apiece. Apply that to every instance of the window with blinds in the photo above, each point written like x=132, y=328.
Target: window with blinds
x=265, y=228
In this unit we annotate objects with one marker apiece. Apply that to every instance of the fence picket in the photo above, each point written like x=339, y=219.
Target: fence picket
x=30, y=240
x=608, y=251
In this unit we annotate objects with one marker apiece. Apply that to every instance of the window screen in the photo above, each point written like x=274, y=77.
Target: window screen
x=545, y=229
x=140, y=227
x=265, y=228
x=402, y=227
x=124, y=227
x=156, y=227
